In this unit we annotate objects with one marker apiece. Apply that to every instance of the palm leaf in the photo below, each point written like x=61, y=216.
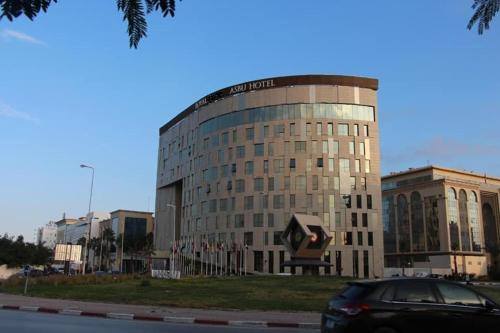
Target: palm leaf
x=485, y=11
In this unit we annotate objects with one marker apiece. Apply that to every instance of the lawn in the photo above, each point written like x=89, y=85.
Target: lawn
x=279, y=293
x=285, y=293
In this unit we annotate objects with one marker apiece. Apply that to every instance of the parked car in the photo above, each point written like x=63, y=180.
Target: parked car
x=408, y=305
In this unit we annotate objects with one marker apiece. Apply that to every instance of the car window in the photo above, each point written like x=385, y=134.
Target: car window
x=458, y=295
x=354, y=292
x=415, y=291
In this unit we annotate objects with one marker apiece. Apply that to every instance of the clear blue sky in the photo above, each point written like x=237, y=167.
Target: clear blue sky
x=71, y=90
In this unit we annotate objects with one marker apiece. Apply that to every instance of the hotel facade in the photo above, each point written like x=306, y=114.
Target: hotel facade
x=235, y=165
x=441, y=219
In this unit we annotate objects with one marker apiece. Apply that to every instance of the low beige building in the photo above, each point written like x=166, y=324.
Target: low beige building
x=441, y=219
x=129, y=225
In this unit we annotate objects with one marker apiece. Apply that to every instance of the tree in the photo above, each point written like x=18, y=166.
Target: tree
x=108, y=236
x=18, y=253
x=485, y=10
x=133, y=12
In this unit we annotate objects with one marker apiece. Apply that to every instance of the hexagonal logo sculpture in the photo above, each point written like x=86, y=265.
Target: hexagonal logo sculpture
x=305, y=237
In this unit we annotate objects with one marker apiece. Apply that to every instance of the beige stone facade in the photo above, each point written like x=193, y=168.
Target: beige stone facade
x=236, y=164
x=128, y=224
x=441, y=219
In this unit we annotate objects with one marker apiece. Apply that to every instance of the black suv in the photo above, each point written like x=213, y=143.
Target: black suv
x=408, y=305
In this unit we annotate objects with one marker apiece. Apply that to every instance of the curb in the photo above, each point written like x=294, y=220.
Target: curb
x=176, y=320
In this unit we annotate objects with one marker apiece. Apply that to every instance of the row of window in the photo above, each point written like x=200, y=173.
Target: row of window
x=288, y=112
x=344, y=238
x=278, y=202
x=212, y=174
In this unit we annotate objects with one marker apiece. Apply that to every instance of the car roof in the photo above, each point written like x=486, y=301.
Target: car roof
x=397, y=279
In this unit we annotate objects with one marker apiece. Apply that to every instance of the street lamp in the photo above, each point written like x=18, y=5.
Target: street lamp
x=173, y=242
x=85, y=259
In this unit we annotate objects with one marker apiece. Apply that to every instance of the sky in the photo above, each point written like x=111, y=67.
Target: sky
x=72, y=91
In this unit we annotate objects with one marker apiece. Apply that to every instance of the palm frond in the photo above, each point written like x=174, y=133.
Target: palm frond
x=30, y=8
x=133, y=13
x=485, y=11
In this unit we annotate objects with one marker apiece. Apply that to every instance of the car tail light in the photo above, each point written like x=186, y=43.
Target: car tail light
x=354, y=309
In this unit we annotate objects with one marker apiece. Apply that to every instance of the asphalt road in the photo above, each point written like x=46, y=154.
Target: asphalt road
x=30, y=322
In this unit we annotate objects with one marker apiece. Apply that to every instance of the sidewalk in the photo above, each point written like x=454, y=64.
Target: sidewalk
x=126, y=311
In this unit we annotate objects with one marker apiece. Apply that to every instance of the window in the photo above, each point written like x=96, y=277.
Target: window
x=363, y=183
x=277, y=238
x=258, y=184
x=212, y=206
x=369, y=201
x=292, y=200
x=315, y=183
x=249, y=133
x=360, y=238
x=270, y=184
x=364, y=217
x=365, y=130
x=354, y=219
x=319, y=162
x=240, y=185
x=270, y=220
x=308, y=129
x=325, y=147
x=278, y=201
x=287, y=182
x=346, y=237
x=343, y=129
x=248, y=238
x=279, y=165
x=361, y=148
x=359, y=201
x=330, y=164
x=270, y=149
x=353, y=182
x=225, y=138
x=279, y=130
x=370, y=238
x=356, y=129
x=223, y=205
x=300, y=182
x=258, y=261
x=300, y=146
x=458, y=295
x=367, y=166
x=325, y=183
x=292, y=129
x=248, y=203
x=330, y=129
x=266, y=166
x=319, y=129
x=240, y=152
x=292, y=163
x=258, y=220
x=239, y=221
x=314, y=147
x=415, y=291
x=308, y=164
x=266, y=131
x=259, y=149
x=249, y=168
x=265, y=201
x=351, y=148
x=357, y=165
x=335, y=147
x=344, y=165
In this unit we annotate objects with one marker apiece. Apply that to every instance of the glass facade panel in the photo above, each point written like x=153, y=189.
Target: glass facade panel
x=280, y=112
x=474, y=222
x=389, y=220
x=403, y=224
x=432, y=223
x=417, y=222
x=453, y=219
x=464, y=221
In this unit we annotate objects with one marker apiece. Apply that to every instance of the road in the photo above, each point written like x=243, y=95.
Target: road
x=29, y=322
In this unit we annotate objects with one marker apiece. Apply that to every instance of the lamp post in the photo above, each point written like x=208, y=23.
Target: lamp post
x=85, y=257
x=173, y=242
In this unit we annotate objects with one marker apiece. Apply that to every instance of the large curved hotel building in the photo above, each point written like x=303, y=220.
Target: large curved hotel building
x=237, y=163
